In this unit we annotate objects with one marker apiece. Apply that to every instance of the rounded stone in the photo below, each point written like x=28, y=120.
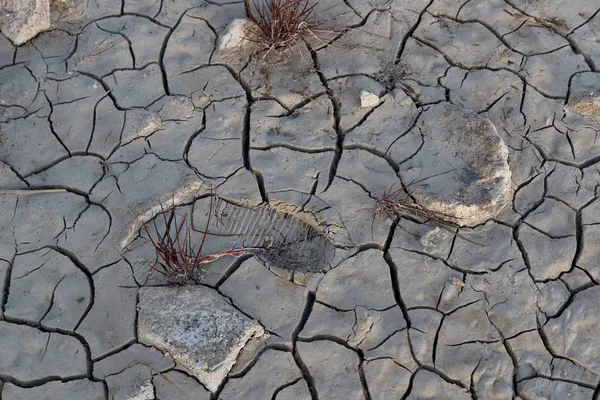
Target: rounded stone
x=462, y=169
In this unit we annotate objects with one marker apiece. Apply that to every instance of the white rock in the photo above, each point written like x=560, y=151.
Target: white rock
x=21, y=20
x=235, y=36
x=368, y=99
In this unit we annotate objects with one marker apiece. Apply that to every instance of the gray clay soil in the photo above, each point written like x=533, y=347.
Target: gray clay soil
x=489, y=110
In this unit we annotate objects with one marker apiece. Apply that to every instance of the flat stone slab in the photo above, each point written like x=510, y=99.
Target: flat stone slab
x=462, y=167
x=21, y=20
x=197, y=327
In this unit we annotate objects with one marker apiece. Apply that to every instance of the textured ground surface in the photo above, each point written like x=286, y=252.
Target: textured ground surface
x=127, y=103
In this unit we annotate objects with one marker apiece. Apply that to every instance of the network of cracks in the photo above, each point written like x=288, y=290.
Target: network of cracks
x=125, y=105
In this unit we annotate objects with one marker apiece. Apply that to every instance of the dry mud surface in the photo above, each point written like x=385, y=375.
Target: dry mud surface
x=126, y=104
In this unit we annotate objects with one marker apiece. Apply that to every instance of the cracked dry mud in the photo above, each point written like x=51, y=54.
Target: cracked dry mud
x=126, y=104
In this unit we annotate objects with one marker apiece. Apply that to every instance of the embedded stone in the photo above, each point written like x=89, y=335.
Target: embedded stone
x=197, y=327
x=462, y=168
x=21, y=21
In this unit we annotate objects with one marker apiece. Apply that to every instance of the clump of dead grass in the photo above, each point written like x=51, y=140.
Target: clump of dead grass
x=280, y=23
x=178, y=257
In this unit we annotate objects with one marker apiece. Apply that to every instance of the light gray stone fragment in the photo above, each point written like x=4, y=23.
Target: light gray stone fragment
x=28, y=354
x=79, y=389
x=465, y=163
x=21, y=21
x=235, y=36
x=197, y=327
x=334, y=369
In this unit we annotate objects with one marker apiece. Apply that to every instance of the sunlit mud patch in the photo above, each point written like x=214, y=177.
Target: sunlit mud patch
x=281, y=234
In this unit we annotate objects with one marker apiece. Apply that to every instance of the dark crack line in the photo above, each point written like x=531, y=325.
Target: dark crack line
x=410, y=33
x=548, y=25
x=282, y=387
x=339, y=142
x=45, y=329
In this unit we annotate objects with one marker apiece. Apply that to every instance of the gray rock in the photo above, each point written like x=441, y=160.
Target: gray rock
x=21, y=21
x=30, y=354
x=463, y=164
x=79, y=389
x=197, y=327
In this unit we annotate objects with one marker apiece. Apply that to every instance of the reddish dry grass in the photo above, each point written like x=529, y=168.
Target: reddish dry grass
x=177, y=257
x=280, y=22
x=394, y=203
